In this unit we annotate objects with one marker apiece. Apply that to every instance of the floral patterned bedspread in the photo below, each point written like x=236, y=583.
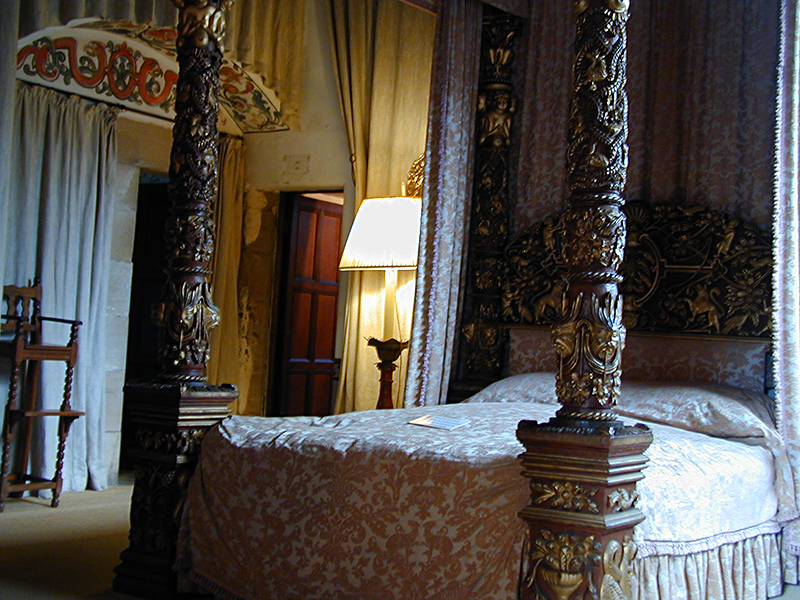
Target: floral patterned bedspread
x=366, y=506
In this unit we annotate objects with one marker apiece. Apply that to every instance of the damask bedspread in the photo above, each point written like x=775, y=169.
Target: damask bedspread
x=366, y=506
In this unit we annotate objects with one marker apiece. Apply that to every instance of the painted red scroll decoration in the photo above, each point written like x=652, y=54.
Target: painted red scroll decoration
x=110, y=69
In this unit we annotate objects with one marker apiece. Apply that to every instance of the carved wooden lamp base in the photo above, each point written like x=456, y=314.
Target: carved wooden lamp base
x=388, y=351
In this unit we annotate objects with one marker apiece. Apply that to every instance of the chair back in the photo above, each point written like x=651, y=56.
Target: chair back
x=23, y=304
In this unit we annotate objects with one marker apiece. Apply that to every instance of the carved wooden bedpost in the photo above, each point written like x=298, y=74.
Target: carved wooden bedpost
x=170, y=415
x=584, y=464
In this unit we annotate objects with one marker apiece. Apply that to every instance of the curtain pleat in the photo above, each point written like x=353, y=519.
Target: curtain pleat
x=382, y=50
x=446, y=200
x=61, y=205
x=225, y=363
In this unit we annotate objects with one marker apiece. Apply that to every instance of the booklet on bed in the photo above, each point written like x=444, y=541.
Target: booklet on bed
x=438, y=422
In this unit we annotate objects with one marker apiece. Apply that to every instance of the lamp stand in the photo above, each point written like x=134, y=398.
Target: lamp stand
x=388, y=351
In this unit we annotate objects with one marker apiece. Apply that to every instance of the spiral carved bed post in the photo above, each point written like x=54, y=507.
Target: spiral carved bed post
x=171, y=414
x=583, y=465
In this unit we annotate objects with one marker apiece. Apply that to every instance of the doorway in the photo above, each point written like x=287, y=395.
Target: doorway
x=147, y=283
x=305, y=371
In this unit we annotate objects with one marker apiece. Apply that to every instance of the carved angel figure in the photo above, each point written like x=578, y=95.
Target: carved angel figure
x=496, y=122
x=201, y=21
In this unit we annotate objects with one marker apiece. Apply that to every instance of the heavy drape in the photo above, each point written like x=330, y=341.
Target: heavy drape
x=382, y=54
x=266, y=35
x=225, y=363
x=60, y=210
x=446, y=200
x=786, y=302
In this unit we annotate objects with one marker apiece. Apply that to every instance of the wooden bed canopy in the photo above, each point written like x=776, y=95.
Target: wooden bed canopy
x=564, y=272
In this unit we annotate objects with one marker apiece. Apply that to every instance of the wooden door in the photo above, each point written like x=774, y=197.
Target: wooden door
x=307, y=311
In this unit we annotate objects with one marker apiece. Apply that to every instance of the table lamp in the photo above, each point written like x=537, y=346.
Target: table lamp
x=385, y=236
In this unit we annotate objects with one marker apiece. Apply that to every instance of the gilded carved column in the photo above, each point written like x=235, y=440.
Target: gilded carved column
x=584, y=463
x=481, y=338
x=171, y=414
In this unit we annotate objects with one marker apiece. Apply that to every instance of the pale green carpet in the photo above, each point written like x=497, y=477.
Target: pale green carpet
x=64, y=553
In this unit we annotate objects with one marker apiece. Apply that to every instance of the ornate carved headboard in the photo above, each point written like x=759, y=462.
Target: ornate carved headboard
x=688, y=270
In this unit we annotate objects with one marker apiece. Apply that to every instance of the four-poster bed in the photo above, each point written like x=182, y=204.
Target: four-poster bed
x=369, y=506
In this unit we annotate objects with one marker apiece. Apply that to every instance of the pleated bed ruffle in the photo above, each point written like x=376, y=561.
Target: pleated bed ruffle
x=746, y=570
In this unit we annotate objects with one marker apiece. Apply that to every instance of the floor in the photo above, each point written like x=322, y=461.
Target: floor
x=69, y=553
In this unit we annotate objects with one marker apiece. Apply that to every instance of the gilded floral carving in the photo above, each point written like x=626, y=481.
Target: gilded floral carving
x=557, y=565
x=566, y=495
x=622, y=499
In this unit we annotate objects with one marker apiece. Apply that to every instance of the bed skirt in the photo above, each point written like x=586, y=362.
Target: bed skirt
x=747, y=569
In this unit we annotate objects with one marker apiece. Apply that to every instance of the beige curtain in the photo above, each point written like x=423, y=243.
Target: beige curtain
x=446, y=201
x=786, y=224
x=382, y=53
x=225, y=363
x=266, y=35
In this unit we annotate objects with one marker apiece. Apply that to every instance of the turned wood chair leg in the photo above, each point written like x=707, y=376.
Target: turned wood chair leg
x=30, y=394
x=63, y=430
x=8, y=438
x=9, y=432
x=64, y=423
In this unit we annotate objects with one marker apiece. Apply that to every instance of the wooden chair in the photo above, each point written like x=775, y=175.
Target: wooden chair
x=23, y=345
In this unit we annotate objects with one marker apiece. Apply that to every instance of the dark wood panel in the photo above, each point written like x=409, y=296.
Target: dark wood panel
x=320, y=384
x=301, y=325
x=304, y=377
x=305, y=246
x=326, y=320
x=330, y=232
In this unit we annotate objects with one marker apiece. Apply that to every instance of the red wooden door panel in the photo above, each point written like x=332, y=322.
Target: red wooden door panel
x=308, y=318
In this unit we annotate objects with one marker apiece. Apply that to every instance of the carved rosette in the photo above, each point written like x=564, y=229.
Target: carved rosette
x=590, y=336
x=186, y=312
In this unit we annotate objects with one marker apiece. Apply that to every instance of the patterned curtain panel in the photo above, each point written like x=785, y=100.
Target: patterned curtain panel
x=267, y=35
x=446, y=200
x=60, y=206
x=786, y=302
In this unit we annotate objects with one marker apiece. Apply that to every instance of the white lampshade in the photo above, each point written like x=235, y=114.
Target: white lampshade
x=384, y=235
